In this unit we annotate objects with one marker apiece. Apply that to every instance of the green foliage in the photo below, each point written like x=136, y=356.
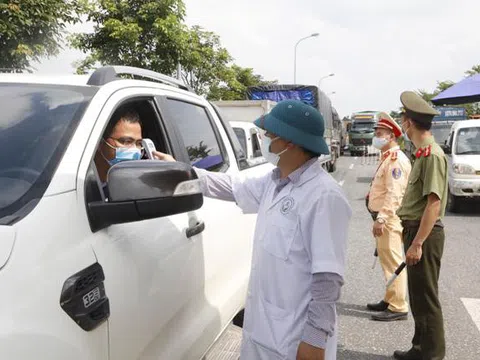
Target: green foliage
x=31, y=29
x=142, y=33
x=204, y=61
x=235, y=83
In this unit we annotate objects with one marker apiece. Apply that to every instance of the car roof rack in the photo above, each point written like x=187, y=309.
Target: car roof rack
x=107, y=74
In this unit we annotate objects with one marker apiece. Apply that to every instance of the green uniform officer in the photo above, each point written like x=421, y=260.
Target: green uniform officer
x=421, y=212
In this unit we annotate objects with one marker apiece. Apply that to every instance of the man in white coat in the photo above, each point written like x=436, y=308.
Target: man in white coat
x=300, y=239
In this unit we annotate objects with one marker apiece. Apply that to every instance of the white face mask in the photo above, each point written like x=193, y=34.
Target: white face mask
x=267, y=154
x=379, y=142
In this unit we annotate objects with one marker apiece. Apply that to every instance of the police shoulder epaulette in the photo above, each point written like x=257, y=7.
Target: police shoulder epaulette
x=394, y=156
x=425, y=152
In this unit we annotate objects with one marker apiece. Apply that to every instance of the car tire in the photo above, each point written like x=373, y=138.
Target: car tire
x=452, y=202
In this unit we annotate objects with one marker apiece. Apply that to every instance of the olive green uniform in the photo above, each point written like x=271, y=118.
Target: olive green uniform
x=428, y=176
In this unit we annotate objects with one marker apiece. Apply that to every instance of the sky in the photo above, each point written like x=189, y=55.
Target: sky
x=375, y=48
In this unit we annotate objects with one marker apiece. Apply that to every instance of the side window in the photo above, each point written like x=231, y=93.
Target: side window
x=203, y=144
x=241, y=137
x=257, y=151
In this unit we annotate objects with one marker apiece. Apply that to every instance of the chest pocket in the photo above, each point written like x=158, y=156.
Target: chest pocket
x=279, y=236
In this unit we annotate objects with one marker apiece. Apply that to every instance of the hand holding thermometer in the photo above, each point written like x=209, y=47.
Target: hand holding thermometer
x=395, y=275
x=149, y=148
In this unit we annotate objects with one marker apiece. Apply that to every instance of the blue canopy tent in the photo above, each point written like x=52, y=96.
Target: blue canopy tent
x=463, y=92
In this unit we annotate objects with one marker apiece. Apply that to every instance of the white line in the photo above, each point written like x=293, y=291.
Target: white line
x=473, y=308
x=355, y=158
x=341, y=182
x=351, y=166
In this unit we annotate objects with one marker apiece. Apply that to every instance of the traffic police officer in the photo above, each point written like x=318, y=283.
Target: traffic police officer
x=299, y=246
x=421, y=212
x=384, y=198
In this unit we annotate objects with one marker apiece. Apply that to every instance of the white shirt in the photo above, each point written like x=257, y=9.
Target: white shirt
x=300, y=231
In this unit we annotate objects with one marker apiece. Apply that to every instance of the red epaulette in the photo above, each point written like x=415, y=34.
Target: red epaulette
x=426, y=151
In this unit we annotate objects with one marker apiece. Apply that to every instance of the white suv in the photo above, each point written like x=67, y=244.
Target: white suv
x=154, y=272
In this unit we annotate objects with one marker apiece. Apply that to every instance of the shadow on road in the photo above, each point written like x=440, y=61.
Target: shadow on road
x=353, y=310
x=355, y=355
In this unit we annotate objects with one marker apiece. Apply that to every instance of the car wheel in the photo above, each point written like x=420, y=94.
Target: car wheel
x=452, y=202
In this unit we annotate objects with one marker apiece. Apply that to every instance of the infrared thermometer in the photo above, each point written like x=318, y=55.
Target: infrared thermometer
x=149, y=148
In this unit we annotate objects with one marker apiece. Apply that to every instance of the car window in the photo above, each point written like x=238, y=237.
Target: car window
x=204, y=146
x=240, y=133
x=468, y=141
x=36, y=125
x=257, y=151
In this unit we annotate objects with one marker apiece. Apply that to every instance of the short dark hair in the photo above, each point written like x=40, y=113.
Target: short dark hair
x=123, y=113
x=421, y=125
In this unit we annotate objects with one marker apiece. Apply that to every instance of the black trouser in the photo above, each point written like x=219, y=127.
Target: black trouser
x=423, y=293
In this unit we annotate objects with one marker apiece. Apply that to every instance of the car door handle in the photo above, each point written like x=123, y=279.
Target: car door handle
x=195, y=229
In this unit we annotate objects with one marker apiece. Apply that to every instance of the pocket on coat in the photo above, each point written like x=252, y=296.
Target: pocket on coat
x=272, y=329
x=279, y=238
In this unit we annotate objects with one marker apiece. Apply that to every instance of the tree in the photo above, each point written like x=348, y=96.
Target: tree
x=142, y=33
x=204, y=61
x=473, y=71
x=31, y=29
x=234, y=85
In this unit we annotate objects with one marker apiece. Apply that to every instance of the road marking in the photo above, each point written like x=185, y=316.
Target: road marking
x=351, y=166
x=355, y=158
x=341, y=182
x=473, y=308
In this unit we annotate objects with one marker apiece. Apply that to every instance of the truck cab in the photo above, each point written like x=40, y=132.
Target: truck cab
x=361, y=133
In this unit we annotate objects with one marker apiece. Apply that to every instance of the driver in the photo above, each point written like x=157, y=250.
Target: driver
x=121, y=141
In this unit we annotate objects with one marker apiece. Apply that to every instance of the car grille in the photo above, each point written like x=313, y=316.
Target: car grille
x=361, y=142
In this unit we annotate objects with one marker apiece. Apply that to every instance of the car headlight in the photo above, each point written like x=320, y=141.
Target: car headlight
x=463, y=169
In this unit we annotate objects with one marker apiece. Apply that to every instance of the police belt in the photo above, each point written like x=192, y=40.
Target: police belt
x=416, y=223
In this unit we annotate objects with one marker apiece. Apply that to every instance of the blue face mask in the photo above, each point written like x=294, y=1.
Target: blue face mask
x=124, y=154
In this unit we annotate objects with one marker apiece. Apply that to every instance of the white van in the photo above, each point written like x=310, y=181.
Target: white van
x=463, y=150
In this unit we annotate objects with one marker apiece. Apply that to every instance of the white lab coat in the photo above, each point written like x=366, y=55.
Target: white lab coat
x=299, y=232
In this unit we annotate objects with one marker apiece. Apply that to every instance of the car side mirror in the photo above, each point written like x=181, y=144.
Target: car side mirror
x=446, y=149
x=146, y=189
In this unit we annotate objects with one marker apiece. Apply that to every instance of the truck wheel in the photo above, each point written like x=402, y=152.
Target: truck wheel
x=452, y=202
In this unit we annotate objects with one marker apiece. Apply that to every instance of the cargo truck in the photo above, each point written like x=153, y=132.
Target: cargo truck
x=313, y=96
x=241, y=114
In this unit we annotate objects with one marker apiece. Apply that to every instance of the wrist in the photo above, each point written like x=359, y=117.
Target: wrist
x=380, y=220
x=417, y=243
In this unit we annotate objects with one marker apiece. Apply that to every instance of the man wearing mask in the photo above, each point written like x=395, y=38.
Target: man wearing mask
x=300, y=239
x=384, y=199
x=421, y=212
x=121, y=141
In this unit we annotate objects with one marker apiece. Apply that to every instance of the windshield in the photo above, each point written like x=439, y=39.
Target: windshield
x=36, y=124
x=440, y=133
x=468, y=141
x=363, y=126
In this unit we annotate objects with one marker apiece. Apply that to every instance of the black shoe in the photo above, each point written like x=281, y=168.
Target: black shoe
x=381, y=306
x=412, y=354
x=389, y=315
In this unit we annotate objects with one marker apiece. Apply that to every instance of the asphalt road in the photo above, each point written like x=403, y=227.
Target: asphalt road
x=361, y=338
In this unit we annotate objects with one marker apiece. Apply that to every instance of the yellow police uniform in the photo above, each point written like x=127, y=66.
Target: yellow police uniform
x=385, y=196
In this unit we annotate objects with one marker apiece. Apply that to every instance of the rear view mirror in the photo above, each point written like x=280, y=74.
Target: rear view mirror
x=146, y=189
x=446, y=149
